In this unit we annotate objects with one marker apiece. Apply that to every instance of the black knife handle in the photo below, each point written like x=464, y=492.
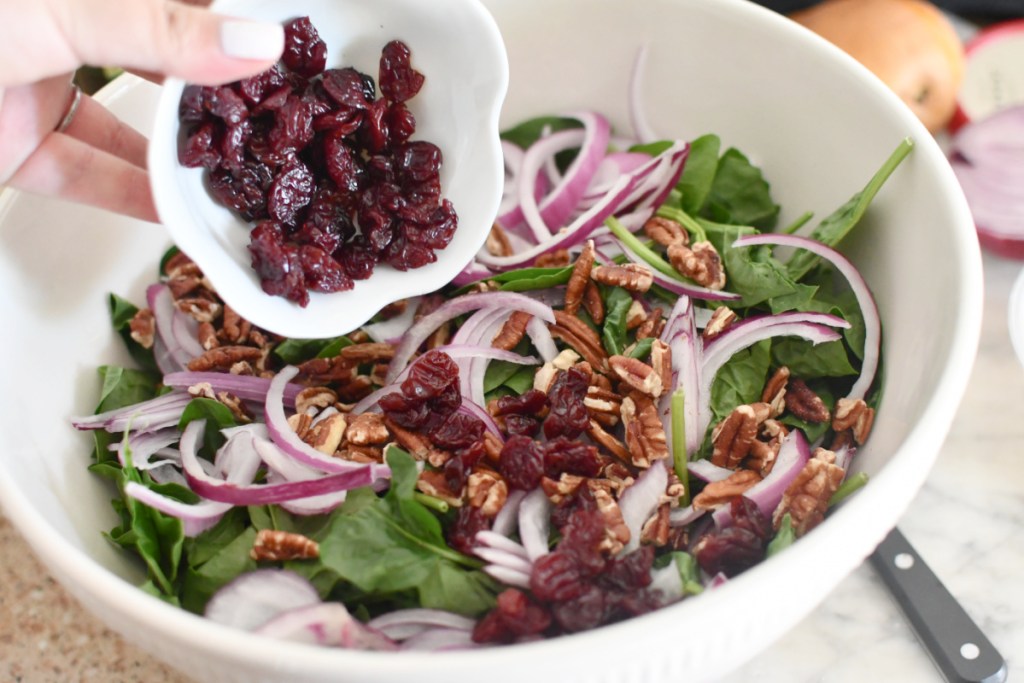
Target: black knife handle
x=955, y=643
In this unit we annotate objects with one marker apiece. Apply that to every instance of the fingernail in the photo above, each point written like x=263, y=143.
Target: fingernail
x=251, y=39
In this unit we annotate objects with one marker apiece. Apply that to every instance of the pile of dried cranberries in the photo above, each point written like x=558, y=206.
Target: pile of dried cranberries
x=324, y=167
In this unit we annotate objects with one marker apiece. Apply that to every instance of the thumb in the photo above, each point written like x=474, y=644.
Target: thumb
x=170, y=38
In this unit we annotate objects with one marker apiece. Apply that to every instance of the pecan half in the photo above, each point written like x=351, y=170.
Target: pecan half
x=806, y=498
x=315, y=398
x=325, y=434
x=326, y=370
x=367, y=429
x=497, y=242
x=732, y=437
x=656, y=530
x=766, y=447
x=598, y=434
x=700, y=262
x=369, y=352
x=630, y=276
x=223, y=357
x=580, y=278
x=512, y=331
x=720, y=492
x=202, y=310
x=273, y=545
x=434, y=483
x=581, y=337
x=142, y=327
x=666, y=231
x=300, y=424
x=560, y=489
x=661, y=361
x=652, y=325
x=721, y=319
x=593, y=304
x=774, y=392
x=855, y=416
x=802, y=402
x=616, y=532
x=559, y=258
x=638, y=375
x=207, y=335
x=645, y=435
x=234, y=328
x=603, y=405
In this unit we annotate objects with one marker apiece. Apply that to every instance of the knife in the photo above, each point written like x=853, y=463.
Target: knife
x=953, y=640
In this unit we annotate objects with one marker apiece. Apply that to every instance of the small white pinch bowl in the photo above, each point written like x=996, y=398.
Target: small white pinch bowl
x=817, y=122
x=457, y=46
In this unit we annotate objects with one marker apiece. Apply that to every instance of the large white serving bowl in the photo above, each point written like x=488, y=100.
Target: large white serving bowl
x=819, y=125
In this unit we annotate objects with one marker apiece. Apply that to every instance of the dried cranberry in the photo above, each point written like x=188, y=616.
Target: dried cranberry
x=273, y=101
x=521, y=614
x=582, y=536
x=277, y=264
x=521, y=463
x=304, y=52
x=201, y=148
x=588, y=610
x=403, y=254
x=629, y=572
x=440, y=228
x=399, y=82
x=226, y=104
x=556, y=577
x=293, y=127
x=318, y=102
x=580, y=501
x=322, y=273
x=191, y=108
x=243, y=190
x=373, y=130
x=348, y=89
x=357, y=259
x=736, y=548
x=530, y=402
x=462, y=534
x=401, y=124
x=430, y=376
x=420, y=202
x=572, y=457
x=291, y=190
x=256, y=88
x=233, y=144
x=404, y=411
x=523, y=425
x=375, y=221
x=343, y=164
x=459, y=430
x=569, y=416
x=338, y=122
x=326, y=223
x=418, y=161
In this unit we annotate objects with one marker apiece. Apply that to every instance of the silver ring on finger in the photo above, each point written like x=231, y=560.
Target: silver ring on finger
x=69, y=114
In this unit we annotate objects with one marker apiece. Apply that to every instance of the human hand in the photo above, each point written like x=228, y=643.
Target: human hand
x=59, y=142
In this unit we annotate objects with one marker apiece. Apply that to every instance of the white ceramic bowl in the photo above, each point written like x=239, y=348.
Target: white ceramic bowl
x=456, y=45
x=818, y=123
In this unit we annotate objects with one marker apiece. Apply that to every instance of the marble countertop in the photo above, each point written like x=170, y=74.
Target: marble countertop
x=967, y=523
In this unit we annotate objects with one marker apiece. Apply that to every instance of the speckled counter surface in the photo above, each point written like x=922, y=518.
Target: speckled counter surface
x=967, y=523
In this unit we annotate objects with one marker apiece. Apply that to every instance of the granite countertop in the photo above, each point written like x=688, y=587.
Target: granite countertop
x=967, y=523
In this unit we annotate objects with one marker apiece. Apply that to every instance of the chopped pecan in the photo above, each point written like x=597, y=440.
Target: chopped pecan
x=497, y=242
x=512, y=331
x=803, y=403
x=259, y=338
x=806, y=498
x=666, y=231
x=661, y=361
x=243, y=368
x=559, y=258
x=546, y=374
x=766, y=446
x=638, y=375
x=367, y=429
x=434, y=483
x=655, y=530
x=652, y=325
x=363, y=454
x=598, y=434
x=394, y=309
x=774, y=392
x=179, y=263
x=645, y=435
x=142, y=327
x=636, y=315
x=616, y=532
x=207, y=335
x=325, y=370
x=315, y=399
x=854, y=415
x=487, y=491
x=732, y=437
x=581, y=337
x=369, y=352
x=633, y=277
x=237, y=406
x=274, y=545
x=185, y=282
x=720, y=492
x=300, y=424
x=492, y=446
x=565, y=486
x=721, y=319
x=202, y=310
x=234, y=328
x=579, y=279
x=325, y=434
x=603, y=405
x=618, y=475
x=700, y=262
x=223, y=357
x=593, y=304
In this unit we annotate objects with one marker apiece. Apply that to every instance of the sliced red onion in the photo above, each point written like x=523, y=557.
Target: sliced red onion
x=509, y=577
x=639, y=501
x=687, y=348
x=327, y=624
x=507, y=520
x=706, y=471
x=683, y=516
x=637, y=115
x=767, y=493
x=440, y=640
x=255, y=598
x=612, y=166
x=868, y=308
x=844, y=456
x=246, y=387
x=540, y=337
x=504, y=559
x=282, y=469
x=165, y=362
x=573, y=234
x=498, y=541
x=453, y=308
x=147, y=416
x=181, y=342
x=143, y=446
x=717, y=581
x=535, y=523
x=370, y=401
x=195, y=517
x=509, y=212
x=396, y=624
x=668, y=583
x=474, y=272
x=284, y=436
x=657, y=180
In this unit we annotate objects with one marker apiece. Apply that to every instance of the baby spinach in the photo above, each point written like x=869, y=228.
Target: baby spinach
x=741, y=379
x=617, y=302
x=295, y=351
